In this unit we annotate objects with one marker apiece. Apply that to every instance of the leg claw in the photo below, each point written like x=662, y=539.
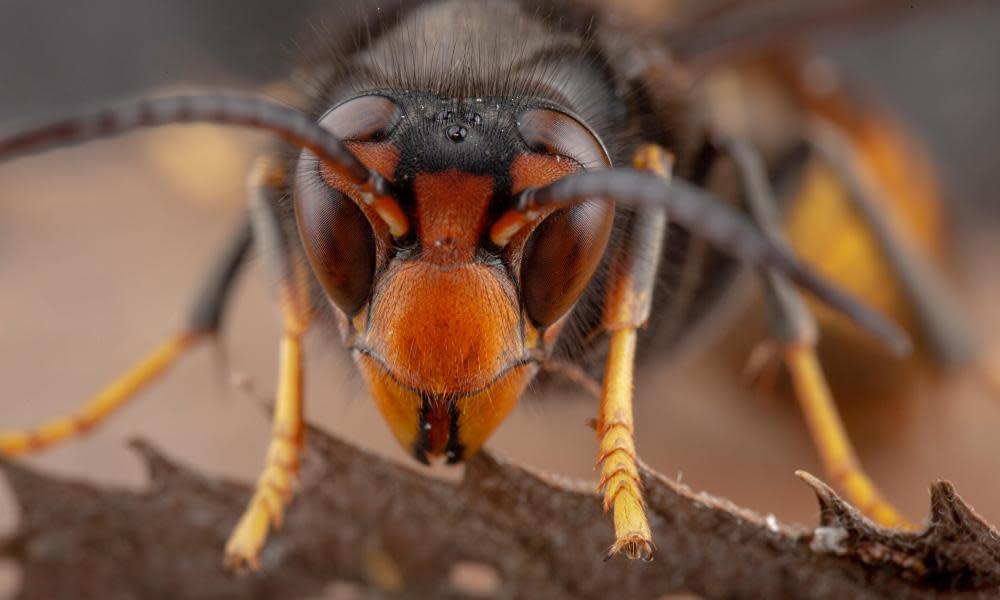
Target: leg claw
x=245, y=543
x=634, y=545
x=239, y=560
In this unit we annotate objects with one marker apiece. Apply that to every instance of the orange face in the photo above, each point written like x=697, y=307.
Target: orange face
x=443, y=352
x=439, y=325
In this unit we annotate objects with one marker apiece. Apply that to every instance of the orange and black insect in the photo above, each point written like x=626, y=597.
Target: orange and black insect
x=481, y=189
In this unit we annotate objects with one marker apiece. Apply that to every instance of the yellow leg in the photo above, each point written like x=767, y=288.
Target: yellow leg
x=274, y=487
x=794, y=333
x=616, y=457
x=281, y=466
x=627, y=307
x=100, y=407
x=831, y=440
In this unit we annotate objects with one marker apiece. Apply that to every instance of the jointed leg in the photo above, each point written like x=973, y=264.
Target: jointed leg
x=627, y=308
x=836, y=453
x=203, y=321
x=793, y=329
x=274, y=487
x=616, y=458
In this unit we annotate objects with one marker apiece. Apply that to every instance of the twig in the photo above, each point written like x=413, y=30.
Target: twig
x=360, y=521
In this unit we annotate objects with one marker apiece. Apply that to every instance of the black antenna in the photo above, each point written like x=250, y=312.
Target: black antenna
x=292, y=125
x=706, y=215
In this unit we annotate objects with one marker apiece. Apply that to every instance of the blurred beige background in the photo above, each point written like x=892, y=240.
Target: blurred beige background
x=102, y=246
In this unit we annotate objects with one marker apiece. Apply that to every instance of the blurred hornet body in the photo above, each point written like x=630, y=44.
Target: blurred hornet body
x=478, y=191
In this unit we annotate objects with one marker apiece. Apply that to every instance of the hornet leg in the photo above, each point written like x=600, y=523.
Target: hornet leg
x=627, y=307
x=273, y=490
x=203, y=322
x=794, y=334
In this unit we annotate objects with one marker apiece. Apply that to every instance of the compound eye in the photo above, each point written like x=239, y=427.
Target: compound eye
x=552, y=132
x=363, y=119
x=337, y=237
x=560, y=258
